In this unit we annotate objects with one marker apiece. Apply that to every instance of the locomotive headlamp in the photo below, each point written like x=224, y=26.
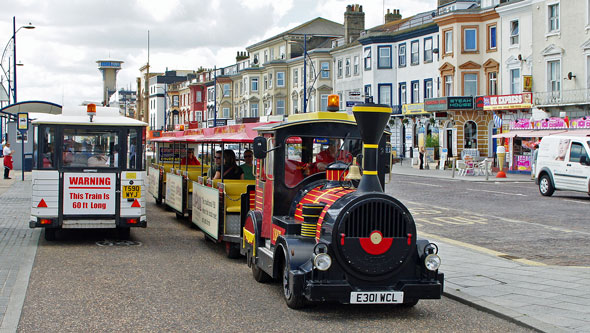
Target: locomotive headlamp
x=320, y=248
x=322, y=261
x=432, y=262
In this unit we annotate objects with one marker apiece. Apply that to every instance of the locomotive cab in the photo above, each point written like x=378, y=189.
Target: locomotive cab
x=328, y=238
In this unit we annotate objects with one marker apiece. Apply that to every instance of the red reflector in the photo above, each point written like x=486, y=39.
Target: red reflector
x=45, y=221
x=132, y=221
x=135, y=204
x=42, y=204
x=342, y=239
x=409, y=239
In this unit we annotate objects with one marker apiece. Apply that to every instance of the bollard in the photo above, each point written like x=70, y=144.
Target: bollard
x=453, y=174
x=486, y=166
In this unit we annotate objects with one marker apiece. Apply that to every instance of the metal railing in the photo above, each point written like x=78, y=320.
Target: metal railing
x=577, y=96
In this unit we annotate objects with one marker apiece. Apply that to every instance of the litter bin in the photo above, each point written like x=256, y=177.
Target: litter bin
x=28, y=162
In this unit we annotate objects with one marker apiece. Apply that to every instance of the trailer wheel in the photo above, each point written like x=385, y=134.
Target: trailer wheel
x=50, y=234
x=294, y=301
x=259, y=275
x=123, y=233
x=232, y=250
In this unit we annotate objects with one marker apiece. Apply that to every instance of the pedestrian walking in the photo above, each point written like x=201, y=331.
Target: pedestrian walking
x=421, y=157
x=7, y=159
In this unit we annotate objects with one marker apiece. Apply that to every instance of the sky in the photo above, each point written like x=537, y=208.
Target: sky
x=59, y=56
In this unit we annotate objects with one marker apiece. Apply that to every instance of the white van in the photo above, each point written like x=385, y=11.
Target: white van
x=563, y=164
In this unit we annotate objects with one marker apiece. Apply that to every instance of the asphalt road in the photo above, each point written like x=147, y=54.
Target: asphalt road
x=171, y=279
x=512, y=218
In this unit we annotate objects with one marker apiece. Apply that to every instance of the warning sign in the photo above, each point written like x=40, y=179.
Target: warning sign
x=89, y=194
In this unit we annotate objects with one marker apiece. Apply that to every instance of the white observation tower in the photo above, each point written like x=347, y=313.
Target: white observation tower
x=109, y=69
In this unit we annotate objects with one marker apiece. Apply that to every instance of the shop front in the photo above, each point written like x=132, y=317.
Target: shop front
x=414, y=130
x=465, y=125
x=510, y=113
x=524, y=134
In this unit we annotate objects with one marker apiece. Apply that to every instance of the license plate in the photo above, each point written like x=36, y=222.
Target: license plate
x=131, y=191
x=376, y=297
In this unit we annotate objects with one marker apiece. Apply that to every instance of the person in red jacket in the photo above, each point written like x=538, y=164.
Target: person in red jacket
x=191, y=158
x=7, y=159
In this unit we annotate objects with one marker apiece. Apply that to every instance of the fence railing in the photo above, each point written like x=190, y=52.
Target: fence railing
x=575, y=96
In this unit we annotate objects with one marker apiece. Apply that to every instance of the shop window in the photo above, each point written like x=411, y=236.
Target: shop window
x=415, y=56
x=367, y=58
x=428, y=49
x=553, y=24
x=514, y=33
x=470, y=134
x=402, y=55
x=448, y=41
x=384, y=53
x=515, y=81
x=492, y=83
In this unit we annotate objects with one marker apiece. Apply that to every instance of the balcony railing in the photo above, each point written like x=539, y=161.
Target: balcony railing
x=564, y=97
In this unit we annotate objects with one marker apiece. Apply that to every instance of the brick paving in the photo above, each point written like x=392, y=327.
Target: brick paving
x=18, y=246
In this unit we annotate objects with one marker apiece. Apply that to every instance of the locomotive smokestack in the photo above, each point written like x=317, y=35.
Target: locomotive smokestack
x=371, y=120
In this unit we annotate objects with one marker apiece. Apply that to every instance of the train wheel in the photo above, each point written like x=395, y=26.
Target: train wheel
x=409, y=304
x=232, y=250
x=293, y=300
x=50, y=234
x=259, y=275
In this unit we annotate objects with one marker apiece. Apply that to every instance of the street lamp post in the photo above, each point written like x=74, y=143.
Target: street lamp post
x=13, y=40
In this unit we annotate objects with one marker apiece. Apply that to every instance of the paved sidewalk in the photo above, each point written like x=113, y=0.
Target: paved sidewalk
x=543, y=297
x=406, y=168
x=18, y=246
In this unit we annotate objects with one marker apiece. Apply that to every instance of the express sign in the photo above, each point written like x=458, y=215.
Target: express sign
x=86, y=194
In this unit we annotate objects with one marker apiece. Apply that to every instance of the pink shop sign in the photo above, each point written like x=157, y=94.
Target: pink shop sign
x=581, y=123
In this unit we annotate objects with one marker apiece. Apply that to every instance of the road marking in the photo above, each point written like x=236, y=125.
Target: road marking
x=497, y=192
x=504, y=219
x=578, y=201
x=424, y=184
x=481, y=249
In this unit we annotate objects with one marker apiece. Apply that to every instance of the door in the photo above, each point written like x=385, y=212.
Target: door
x=577, y=173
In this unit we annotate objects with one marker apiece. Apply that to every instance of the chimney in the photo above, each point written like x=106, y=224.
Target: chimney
x=354, y=23
x=241, y=56
x=392, y=16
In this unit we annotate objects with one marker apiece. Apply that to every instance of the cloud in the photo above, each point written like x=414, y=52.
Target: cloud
x=59, y=56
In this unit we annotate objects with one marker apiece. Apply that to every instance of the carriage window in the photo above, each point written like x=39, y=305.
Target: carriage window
x=270, y=156
x=133, y=141
x=305, y=156
x=47, y=149
x=90, y=148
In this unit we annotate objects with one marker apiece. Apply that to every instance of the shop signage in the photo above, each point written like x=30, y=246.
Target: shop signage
x=508, y=102
x=435, y=104
x=460, y=103
x=581, y=123
x=413, y=109
x=547, y=123
x=527, y=83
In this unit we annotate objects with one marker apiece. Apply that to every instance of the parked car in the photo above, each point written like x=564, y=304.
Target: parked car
x=563, y=163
